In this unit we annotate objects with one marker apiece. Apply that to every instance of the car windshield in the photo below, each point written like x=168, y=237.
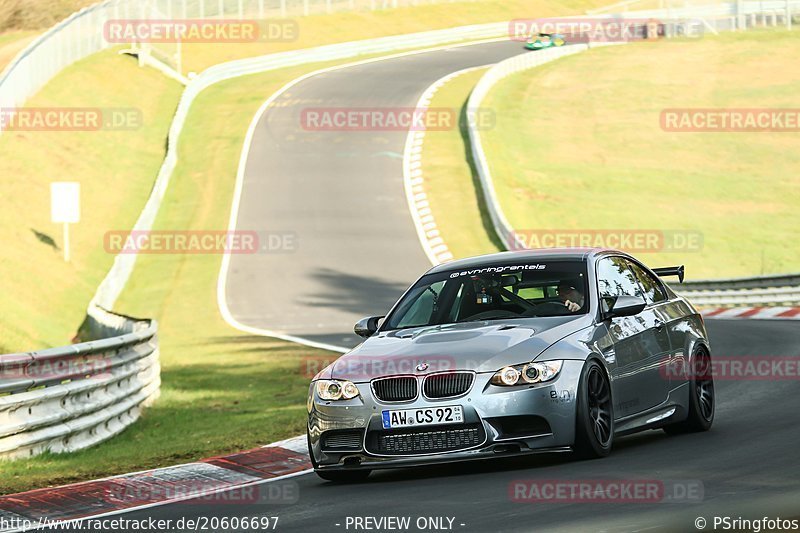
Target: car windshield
x=496, y=292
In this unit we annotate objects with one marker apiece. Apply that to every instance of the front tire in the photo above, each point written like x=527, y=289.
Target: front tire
x=701, y=397
x=594, y=424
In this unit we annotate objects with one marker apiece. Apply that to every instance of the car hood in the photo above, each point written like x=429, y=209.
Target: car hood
x=484, y=346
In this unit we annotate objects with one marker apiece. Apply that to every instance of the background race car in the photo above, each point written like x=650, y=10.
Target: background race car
x=545, y=40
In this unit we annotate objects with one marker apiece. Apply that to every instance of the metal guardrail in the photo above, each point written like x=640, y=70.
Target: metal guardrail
x=82, y=34
x=69, y=398
x=748, y=283
x=80, y=409
x=101, y=385
x=783, y=289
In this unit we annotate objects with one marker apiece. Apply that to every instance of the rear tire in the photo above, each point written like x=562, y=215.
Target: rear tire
x=701, y=397
x=594, y=423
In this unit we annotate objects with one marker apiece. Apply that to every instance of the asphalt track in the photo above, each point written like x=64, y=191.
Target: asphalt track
x=323, y=186
x=747, y=466
x=339, y=196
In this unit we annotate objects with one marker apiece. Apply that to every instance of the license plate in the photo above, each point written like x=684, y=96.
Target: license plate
x=425, y=416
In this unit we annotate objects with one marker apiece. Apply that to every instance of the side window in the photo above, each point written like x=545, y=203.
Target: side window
x=653, y=290
x=615, y=278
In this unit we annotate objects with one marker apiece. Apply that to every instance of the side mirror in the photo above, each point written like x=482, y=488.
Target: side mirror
x=367, y=326
x=626, y=306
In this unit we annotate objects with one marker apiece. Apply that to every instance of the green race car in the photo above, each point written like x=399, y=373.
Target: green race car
x=545, y=40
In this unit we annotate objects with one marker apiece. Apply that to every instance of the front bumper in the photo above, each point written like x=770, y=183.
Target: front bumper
x=497, y=421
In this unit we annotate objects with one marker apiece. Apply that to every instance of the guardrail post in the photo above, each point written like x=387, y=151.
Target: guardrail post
x=788, y=15
x=305, y=7
x=327, y=6
x=739, y=14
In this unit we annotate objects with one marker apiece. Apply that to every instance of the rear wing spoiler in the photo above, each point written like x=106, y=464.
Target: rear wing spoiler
x=670, y=271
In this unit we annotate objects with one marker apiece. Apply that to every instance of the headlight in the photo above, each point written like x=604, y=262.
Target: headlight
x=526, y=374
x=333, y=389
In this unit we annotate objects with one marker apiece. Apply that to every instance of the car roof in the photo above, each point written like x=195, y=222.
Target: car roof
x=539, y=254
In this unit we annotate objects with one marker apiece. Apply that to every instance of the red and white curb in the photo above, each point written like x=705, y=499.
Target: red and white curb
x=785, y=313
x=414, y=180
x=219, y=480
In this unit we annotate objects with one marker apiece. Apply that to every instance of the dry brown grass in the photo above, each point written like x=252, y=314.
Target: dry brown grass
x=36, y=14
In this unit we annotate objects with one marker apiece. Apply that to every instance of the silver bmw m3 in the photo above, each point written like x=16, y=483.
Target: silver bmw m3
x=557, y=350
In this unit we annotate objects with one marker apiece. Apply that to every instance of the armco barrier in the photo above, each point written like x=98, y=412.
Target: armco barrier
x=65, y=399
x=778, y=290
x=80, y=408
x=81, y=35
x=86, y=410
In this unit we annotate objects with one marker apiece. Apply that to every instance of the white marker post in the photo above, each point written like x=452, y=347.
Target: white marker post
x=65, y=207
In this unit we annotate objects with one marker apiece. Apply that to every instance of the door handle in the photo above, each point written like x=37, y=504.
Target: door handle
x=659, y=325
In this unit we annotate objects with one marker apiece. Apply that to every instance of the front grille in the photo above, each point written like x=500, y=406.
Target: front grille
x=425, y=440
x=400, y=389
x=447, y=385
x=349, y=440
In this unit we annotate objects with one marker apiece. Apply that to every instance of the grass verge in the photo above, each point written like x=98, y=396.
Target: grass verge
x=45, y=298
x=451, y=183
x=12, y=43
x=222, y=390
x=578, y=145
